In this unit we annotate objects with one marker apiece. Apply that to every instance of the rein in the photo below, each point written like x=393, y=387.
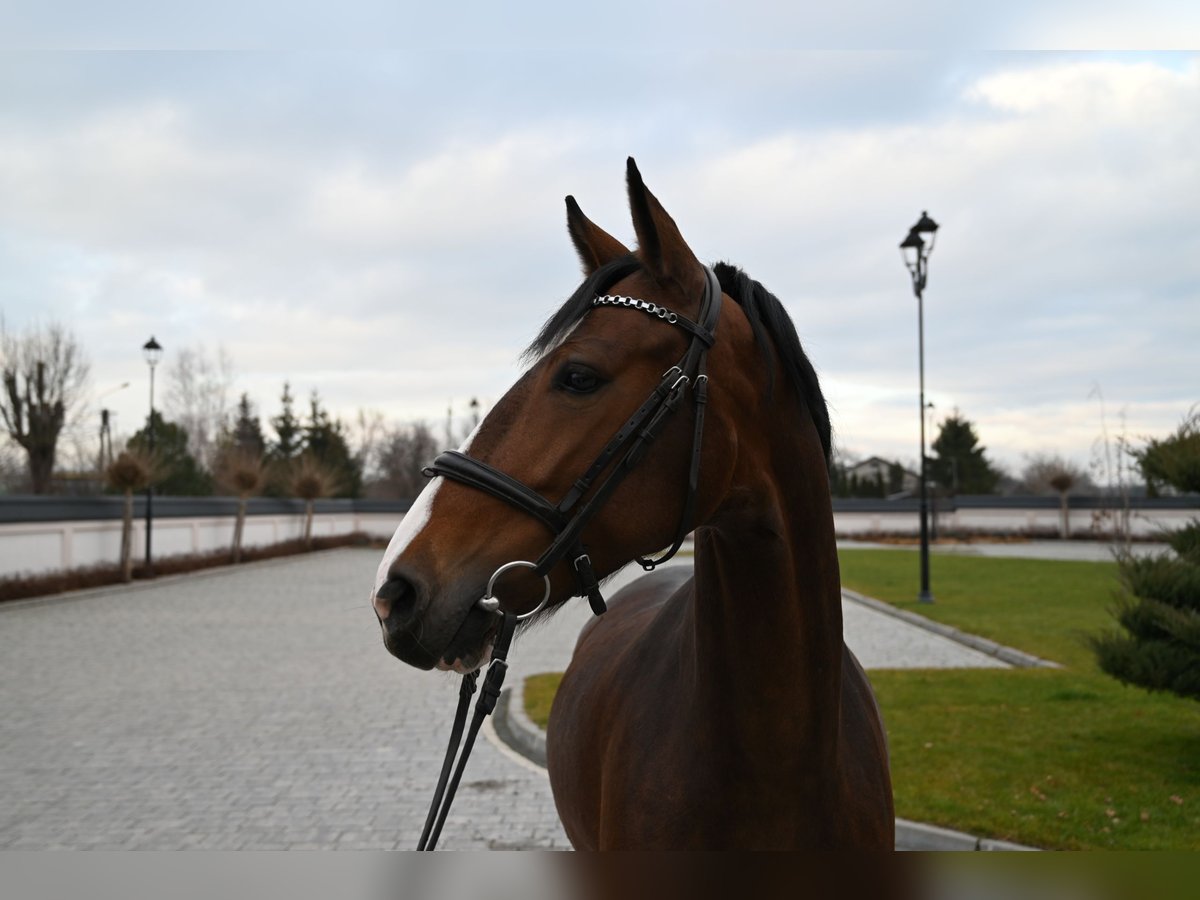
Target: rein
x=570, y=515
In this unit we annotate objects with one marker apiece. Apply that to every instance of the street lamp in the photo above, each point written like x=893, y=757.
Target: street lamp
x=933, y=512
x=915, y=250
x=152, y=351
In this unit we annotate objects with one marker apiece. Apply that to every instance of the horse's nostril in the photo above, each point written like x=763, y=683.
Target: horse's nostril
x=396, y=600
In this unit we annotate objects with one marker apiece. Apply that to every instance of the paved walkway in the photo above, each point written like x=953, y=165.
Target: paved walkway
x=256, y=709
x=250, y=709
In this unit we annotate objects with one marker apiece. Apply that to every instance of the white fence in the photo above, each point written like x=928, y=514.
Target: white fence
x=36, y=547
x=47, y=534
x=1142, y=521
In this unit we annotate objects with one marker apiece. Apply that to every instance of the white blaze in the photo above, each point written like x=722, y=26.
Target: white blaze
x=410, y=526
x=414, y=520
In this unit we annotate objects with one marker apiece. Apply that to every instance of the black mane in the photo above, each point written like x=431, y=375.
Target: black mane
x=768, y=319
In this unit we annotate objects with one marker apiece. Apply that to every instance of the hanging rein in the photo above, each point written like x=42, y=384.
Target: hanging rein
x=568, y=518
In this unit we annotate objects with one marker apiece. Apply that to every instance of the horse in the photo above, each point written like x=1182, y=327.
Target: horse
x=716, y=707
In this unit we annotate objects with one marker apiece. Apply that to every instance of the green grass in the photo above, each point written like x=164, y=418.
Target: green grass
x=1042, y=757
x=539, y=694
x=1044, y=607
x=1065, y=758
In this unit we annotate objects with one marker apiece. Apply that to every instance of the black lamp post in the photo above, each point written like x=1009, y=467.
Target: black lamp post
x=933, y=500
x=153, y=353
x=916, y=250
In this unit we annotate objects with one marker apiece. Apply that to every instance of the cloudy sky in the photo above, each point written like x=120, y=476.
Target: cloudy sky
x=371, y=205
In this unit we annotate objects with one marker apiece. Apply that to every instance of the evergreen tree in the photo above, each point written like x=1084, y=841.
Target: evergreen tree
x=325, y=442
x=1173, y=462
x=959, y=464
x=247, y=435
x=837, y=480
x=288, y=435
x=1160, y=649
x=181, y=475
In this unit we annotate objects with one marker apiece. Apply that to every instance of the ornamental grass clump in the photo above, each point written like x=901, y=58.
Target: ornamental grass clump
x=310, y=480
x=133, y=470
x=245, y=473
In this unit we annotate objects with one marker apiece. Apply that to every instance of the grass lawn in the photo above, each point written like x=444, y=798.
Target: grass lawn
x=1064, y=758
x=1044, y=607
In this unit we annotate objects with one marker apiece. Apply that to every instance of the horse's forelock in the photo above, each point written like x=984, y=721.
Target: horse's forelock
x=559, y=325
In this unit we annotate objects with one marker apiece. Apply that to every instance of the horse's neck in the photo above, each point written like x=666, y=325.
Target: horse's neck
x=768, y=606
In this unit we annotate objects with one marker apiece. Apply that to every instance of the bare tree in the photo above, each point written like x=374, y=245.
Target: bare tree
x=1111, y=454
x=13, y=472
x=368, y=431
x=44, y=372
x=403, y=454
x=197, y=398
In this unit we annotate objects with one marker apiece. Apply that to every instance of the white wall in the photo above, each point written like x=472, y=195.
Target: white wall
x=35, y=547
x=998, y=520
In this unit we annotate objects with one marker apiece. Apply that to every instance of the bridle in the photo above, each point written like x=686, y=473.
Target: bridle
x=571, y=514
x=568, y=518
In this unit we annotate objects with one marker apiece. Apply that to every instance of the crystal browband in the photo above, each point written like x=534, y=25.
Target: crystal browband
x=634, y=303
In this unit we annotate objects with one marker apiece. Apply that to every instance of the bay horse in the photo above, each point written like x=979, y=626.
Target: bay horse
x=714, y=709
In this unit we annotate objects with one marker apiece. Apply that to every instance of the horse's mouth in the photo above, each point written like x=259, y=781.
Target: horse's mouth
x=471, y=646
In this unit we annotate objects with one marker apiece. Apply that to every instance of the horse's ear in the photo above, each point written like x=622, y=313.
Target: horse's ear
x=664, y=251
x=594, y=245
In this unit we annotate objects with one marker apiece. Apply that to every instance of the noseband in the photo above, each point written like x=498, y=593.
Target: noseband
x=570, y=515
x=567, y=518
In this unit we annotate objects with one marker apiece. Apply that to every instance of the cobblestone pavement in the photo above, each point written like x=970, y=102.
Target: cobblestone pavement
x=257, y=709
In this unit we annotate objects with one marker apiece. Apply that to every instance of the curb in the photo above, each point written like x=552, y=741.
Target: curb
x=1010, y=655
x=515, y=728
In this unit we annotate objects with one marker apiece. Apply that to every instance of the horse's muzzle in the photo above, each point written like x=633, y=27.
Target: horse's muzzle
x=397, y=605
x=415, y=633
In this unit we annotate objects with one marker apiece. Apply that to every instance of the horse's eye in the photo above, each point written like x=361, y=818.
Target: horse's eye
x=578, y=379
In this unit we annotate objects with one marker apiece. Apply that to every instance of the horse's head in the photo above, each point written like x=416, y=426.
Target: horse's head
x=596, y=364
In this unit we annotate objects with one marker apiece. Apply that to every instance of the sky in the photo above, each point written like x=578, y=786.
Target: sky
x=369, y=203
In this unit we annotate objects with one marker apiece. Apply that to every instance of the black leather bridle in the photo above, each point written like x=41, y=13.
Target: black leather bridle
x=570, y=515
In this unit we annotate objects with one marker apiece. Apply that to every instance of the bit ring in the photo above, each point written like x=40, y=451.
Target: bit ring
x=489, y=603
